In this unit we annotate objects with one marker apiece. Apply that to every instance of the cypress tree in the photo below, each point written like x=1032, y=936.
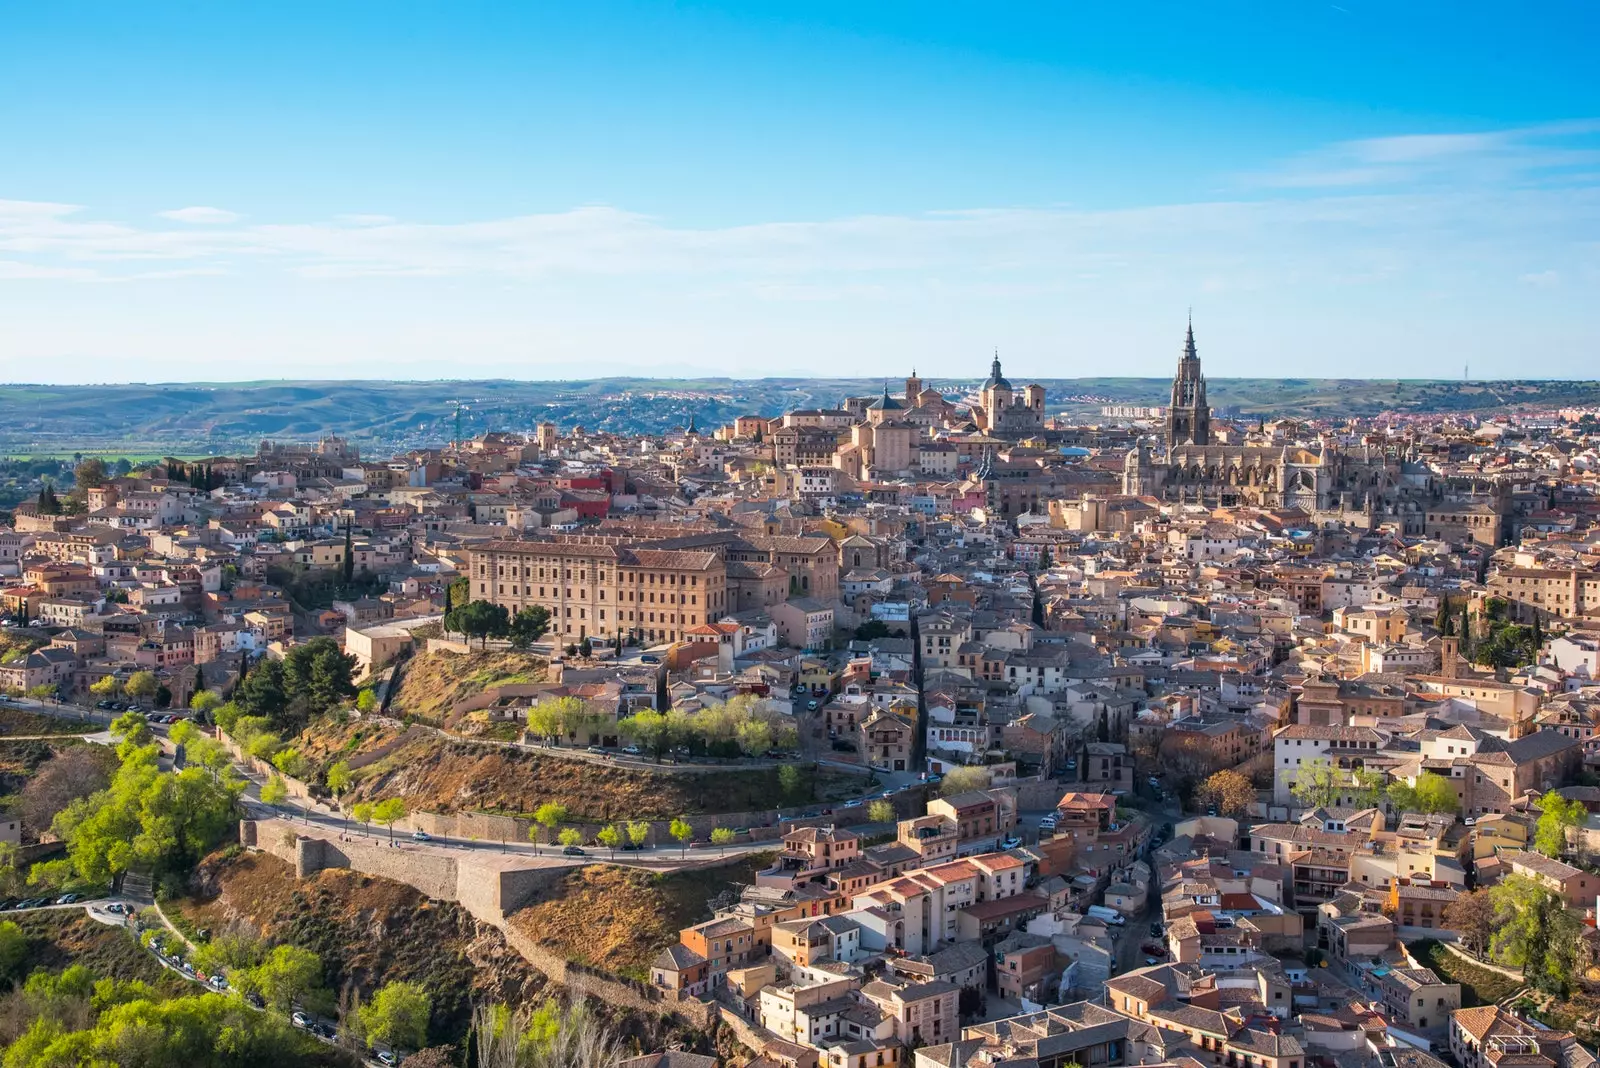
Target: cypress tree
x=349, y=555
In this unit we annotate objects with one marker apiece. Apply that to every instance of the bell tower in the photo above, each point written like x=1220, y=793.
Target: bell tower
x=1188, y=414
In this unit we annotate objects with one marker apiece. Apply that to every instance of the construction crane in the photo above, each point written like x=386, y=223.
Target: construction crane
x=459, y=407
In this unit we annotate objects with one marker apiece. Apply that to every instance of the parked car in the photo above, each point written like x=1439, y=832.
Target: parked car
x=1048, y=823
x=1150, y=961
x=632, y=750
x=300, y=1019
x=573, y=851
x=811, y=706
x=649, y=658
x=256, y=1001
x=69, y=899
x=219, y=983
x=1156, y=930
x=1010, y=841
x=598, y=749
x=385, y=1057
x=422, y=836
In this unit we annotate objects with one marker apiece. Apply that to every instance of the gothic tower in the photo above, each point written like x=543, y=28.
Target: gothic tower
x=1188, y=415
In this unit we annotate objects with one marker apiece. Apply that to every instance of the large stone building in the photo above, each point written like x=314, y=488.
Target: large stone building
x=1376, y=482
x=599, y=585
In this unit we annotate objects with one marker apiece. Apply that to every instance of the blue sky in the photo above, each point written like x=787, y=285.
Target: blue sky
x=211, y=191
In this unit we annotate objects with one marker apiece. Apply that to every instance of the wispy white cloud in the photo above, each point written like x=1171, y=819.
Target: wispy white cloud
x=1543, y=152
x=1347, y=216
x=202, y=216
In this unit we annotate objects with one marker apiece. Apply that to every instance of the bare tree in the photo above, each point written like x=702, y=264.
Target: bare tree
x=77, y=772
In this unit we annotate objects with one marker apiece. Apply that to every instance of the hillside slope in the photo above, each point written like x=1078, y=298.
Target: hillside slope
x=618, y=919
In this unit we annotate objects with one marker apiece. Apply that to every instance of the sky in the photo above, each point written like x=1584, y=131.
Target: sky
x=223, y=192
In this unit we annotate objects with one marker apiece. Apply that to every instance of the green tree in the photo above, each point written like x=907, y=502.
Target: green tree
x=274, y=792
x=42, y=692
x=794, y=783
x=349, y=560
x=550, y=815
x=288, y=977
x=1317, y=783
x=553, y=718
x=528, y=626
x=106, y=687
x=90, y=474
x=204, y=703
x=681, y=832
x=389, y=812
x=141, y=685
x=361, y=812
x=1435, y=794
x=650, y=729
x=882, y=811
x=721, y=837
x=366, y=701
x=397, y=1015
x=183, y=733
x=569, y=837
x=133, y=729
x=13, y=951
x=338, y=777
x=1557, y=817
x=638, y=833
x=610, y=836
x=479, y=619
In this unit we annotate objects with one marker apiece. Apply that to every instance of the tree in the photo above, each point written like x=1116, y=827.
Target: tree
x=183, y=733
x=42, y=692
x=133, y=729
x=1473, y=915
x=338, y=777
x=479, y=619
x=1317, y=784
x=882, y=811
x=721, y=837
x=553, y=718
x=610, y=836
x=74, y=773
x=106, y=687
x=550, y=815
x=361, y=812
x=528, y=626
x=638, y=833
x=349, y=560
x=792, y=781
x=650, y=729
x=141, y=685
x=397, y=1015
x=569, y=837
x=1557, y=816
x=90, y=474
x=965, y=780
x=1434, y=794
x=1229, y=791
x=274, y=792
x=204, y=703
x=389, y=812
x=366, y=701
x=681, y=832
x=285, y=979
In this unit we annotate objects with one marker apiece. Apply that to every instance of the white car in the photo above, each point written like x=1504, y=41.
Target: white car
x=632, y=750
x=1048, y=823
x=300, y=1019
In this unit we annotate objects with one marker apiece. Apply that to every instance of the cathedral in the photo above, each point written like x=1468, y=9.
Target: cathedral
x=1194, y=464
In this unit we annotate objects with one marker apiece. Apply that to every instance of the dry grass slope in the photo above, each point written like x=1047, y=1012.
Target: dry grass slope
x=434, y=682
x=618, y=919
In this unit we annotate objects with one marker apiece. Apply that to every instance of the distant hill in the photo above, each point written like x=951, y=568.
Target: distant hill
x=202, y=418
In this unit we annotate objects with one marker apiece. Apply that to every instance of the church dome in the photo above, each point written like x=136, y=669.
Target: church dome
x=996, y=380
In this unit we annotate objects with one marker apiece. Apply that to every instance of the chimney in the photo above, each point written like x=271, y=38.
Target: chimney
x=1448, y=656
